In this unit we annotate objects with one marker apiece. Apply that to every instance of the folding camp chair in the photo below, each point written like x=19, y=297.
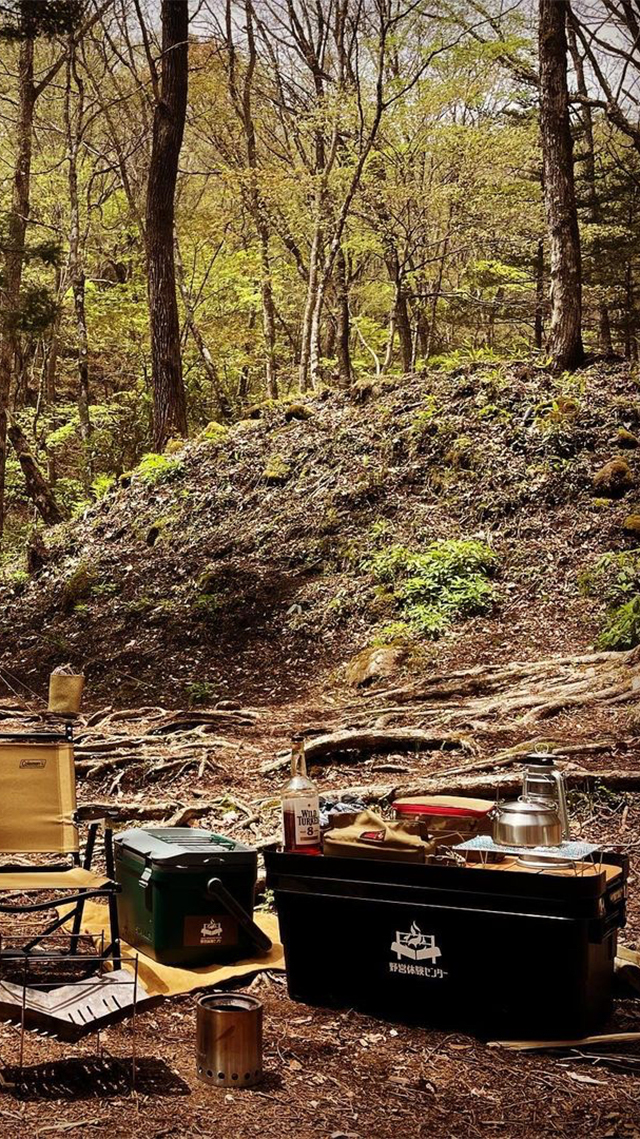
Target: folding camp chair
x=38, y=816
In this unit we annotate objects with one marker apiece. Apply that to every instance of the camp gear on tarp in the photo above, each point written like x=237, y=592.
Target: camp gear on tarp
x=542, y=782
x=229, y=1040
x=370, y=836
x=448, y=818
x=187, y=895
x=521, y=823
x=38, y=816
x=450, y=946
x=172, y=980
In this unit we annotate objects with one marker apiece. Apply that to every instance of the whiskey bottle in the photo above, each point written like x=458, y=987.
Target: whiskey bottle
x=300, y=806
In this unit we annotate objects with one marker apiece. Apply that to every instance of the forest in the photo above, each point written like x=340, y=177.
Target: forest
x=320, y=451
x=284, y=197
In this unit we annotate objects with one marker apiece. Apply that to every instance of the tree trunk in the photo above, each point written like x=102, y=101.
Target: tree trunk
x=391, y=335
x=401, y=320
x=342, y=343
x=309, y=309
x=491, y=318
x=565, y=333
x=224, y=408
x=605, y=344
x=403, y=326
x=538, y=328
x=83, y=369
x=314, y=337
x=437, y=286
x=268, y=316
x=422, y=331
x=630, y=341
x=329, y=348
x=260, y=217
x=38, y=488
x=14, y=249
x=169, y=399
x=242, y=101
x=50, y=362
x=245, y=371
x=76, y=268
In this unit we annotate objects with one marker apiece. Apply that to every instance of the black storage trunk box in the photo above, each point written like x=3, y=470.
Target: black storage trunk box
x=498, y=953
x=167, y=907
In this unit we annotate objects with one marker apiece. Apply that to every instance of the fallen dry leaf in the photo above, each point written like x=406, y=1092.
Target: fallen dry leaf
x=579, y=1078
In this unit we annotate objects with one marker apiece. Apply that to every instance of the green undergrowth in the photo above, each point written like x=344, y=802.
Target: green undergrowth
x=446, y=582
x=154, y=468
x=199, y=692
x=615, y=579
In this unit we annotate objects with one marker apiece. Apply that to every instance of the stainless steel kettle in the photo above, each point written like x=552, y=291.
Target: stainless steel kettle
x=526, y=824
x=543, y=782
x=539, y=817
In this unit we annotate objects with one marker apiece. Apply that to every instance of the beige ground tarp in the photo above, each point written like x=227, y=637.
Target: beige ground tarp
x=171, y=980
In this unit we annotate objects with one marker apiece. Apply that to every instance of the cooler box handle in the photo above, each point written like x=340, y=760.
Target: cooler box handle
x=147, y=888
x=215, y=889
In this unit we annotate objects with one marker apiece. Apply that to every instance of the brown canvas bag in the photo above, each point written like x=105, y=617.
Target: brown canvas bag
x=368, y=836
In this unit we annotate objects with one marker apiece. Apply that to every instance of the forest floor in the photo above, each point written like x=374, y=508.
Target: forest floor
x=214, y=608
x=328, y=1073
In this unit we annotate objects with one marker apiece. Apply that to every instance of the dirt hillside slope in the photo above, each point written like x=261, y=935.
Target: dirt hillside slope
x=254, y=562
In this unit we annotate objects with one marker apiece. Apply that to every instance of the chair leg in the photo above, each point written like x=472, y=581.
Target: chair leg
x=91, y=842
x=86, y=862
x=76, y=928
x=108, y=852
x=50, y=929
x=114, y=949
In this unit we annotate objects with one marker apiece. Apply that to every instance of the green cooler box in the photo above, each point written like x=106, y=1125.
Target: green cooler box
x=187, y=895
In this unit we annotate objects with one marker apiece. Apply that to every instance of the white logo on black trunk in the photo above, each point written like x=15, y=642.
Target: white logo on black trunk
x=415, y=946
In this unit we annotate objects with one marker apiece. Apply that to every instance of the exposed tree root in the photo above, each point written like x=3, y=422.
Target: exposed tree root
x=485, y=785
x=374, y=740
x=530, y=691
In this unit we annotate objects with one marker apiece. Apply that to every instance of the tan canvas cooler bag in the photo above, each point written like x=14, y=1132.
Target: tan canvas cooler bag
x=368, y=836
